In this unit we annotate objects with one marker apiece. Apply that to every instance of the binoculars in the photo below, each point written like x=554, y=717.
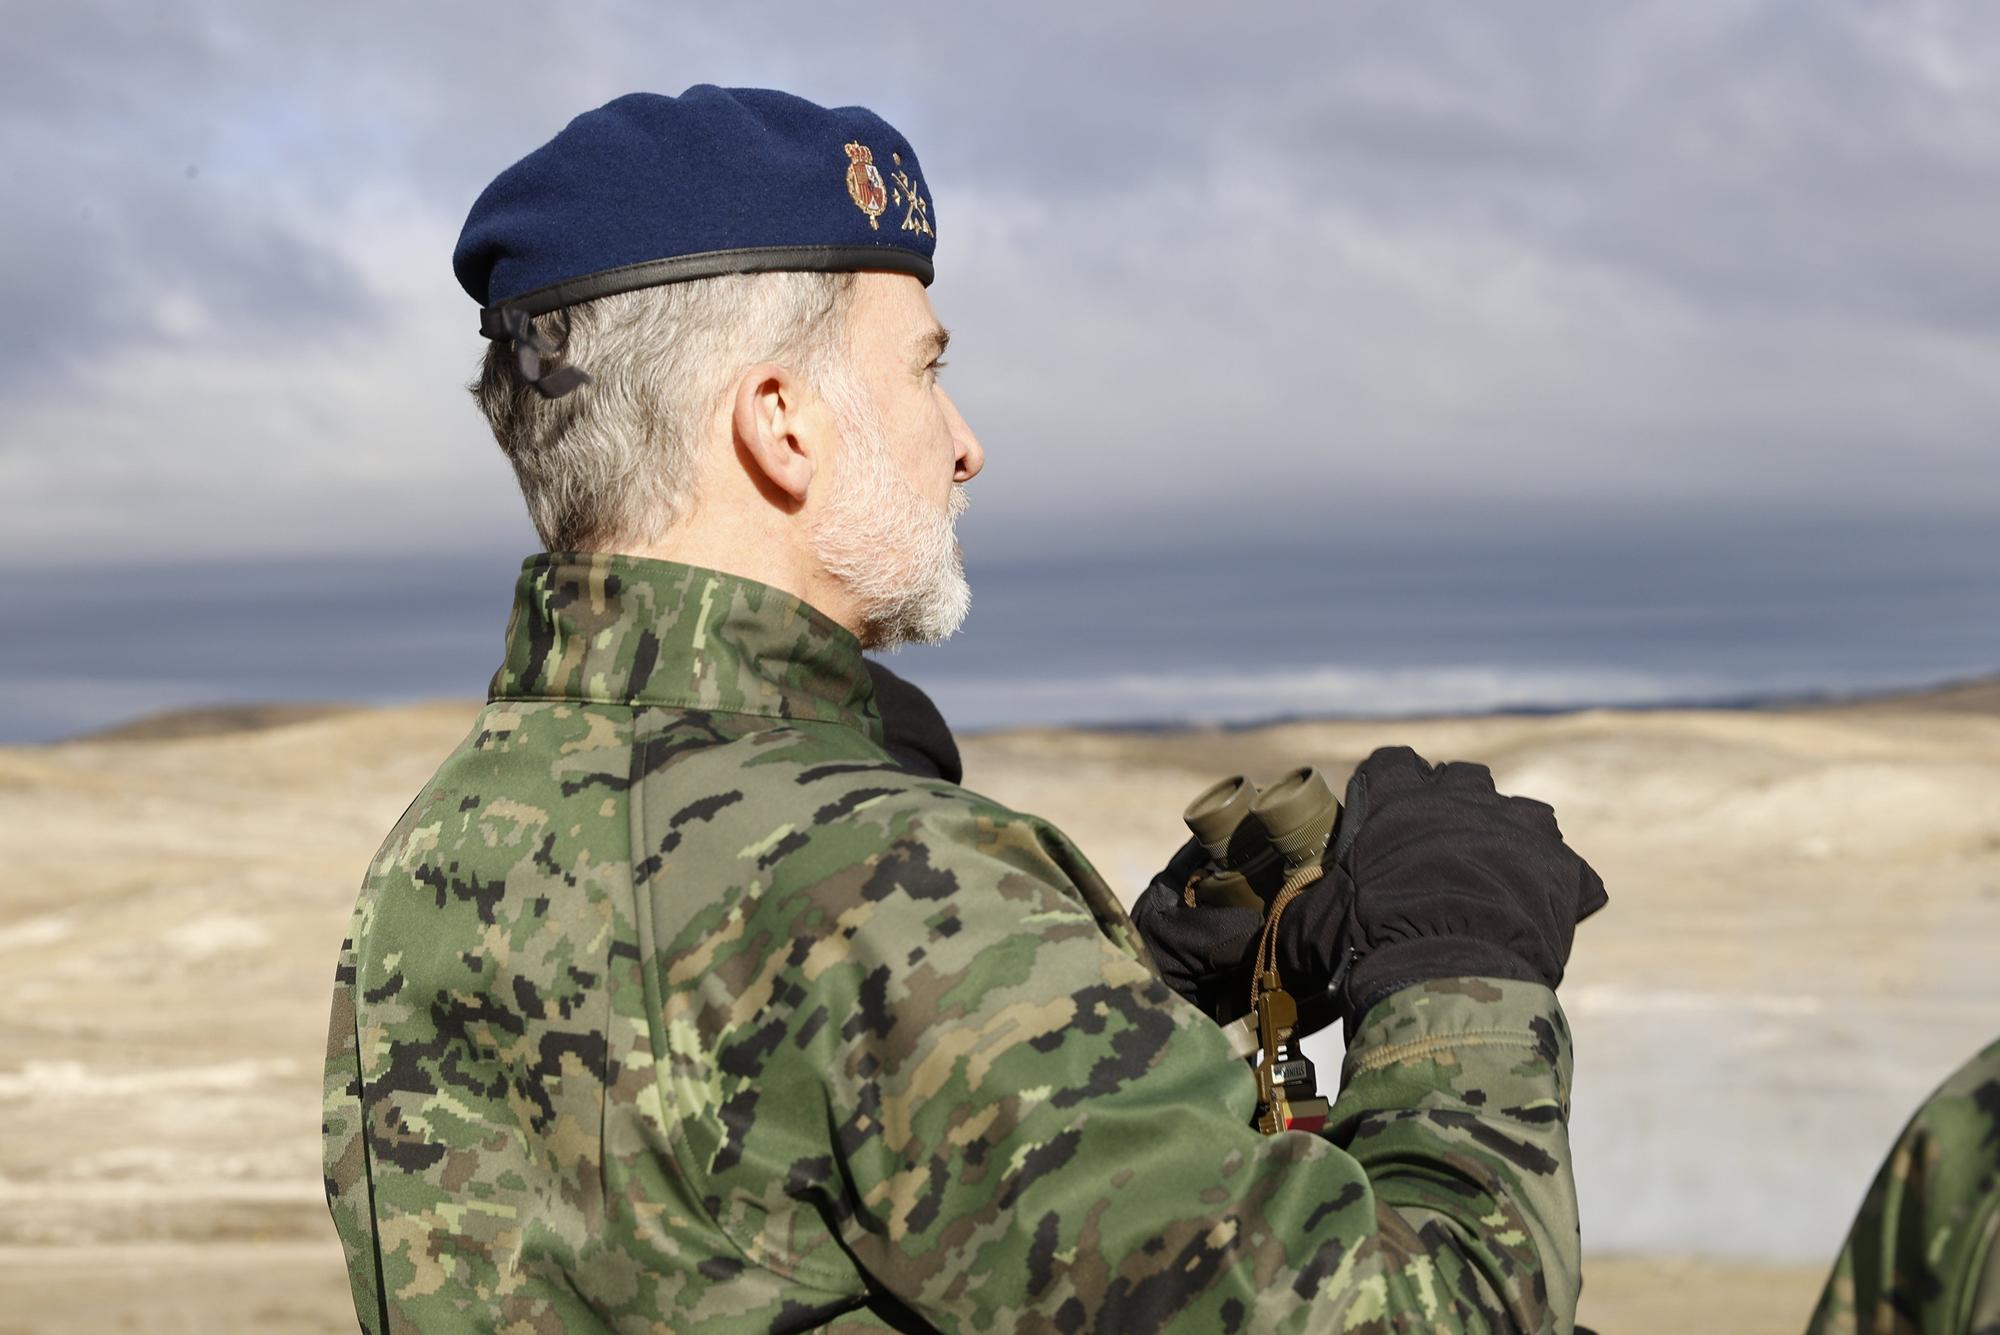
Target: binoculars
x=1258, y=840
x=1264, y=847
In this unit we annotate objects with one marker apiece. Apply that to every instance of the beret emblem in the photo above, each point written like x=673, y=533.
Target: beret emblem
x=918, y=218
x=864, y=183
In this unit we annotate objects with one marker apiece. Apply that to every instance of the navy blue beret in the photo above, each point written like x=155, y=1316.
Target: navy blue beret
x=649, y=189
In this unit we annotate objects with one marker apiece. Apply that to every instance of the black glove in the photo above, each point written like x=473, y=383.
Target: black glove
x=1203, y=952
x=1436, y=876
x=913, y=730
x=1430, y=874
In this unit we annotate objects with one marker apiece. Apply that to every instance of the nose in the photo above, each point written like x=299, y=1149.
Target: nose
x=969, y=456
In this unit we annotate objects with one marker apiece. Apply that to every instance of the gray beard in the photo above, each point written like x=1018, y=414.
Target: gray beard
x=897, y=555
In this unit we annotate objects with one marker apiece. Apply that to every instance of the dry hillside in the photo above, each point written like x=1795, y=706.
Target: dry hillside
x=1801, y=939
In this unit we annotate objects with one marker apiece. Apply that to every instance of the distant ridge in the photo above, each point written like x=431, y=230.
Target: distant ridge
x=1973, y=695
x=175, y=725
x=1965, y=695
x=1969, y=695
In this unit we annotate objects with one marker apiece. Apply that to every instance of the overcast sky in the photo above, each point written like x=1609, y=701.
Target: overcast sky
x=1512, y=273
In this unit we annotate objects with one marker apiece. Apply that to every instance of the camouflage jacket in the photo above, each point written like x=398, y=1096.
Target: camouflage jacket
x=673, y=1004
x=1923, y=1257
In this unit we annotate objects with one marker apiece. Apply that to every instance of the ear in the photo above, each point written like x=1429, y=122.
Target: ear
x=773, y=422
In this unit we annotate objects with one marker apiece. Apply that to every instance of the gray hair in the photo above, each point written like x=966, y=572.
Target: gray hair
x=615, y=461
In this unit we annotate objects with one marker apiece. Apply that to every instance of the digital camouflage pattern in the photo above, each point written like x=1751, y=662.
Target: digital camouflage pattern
x=1923, y=1257
x=673, y=1004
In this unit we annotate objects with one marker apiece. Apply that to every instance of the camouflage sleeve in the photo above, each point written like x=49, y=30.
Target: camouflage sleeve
x=1035, y=1131
x=349, y=1193
x=1924, y=1252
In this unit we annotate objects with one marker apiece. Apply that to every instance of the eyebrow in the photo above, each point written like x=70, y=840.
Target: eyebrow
x=933, y=344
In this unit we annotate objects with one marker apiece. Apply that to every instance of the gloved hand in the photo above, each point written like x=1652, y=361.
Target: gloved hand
x=1437, y=876
x=1203, y=952
x=1430, y=874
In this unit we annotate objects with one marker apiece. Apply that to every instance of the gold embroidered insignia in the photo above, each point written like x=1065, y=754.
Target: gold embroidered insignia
x=918, y=217
x=864, y=183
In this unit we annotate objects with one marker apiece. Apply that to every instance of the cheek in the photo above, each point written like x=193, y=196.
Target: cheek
x=944, y=453
x=926, y=443
x=943, y=440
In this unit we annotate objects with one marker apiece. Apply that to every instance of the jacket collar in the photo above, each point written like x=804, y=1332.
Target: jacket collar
x=628, y=630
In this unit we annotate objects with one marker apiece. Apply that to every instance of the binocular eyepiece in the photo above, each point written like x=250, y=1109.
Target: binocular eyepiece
x=1215, y=815
x=1298, y=812
x=1258, y=838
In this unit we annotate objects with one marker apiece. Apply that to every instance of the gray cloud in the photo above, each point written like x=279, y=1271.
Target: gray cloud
x=135, y=216
x=1364, y=264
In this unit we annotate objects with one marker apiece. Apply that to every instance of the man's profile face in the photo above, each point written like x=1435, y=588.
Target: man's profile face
x=887, y=530
x=897, y=345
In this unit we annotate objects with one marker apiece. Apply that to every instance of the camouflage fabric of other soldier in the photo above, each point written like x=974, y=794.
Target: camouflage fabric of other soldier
x=1923, y=1256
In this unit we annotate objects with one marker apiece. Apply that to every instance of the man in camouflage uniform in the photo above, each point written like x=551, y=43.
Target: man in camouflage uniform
x=674, y=1003
x=1923, y=1257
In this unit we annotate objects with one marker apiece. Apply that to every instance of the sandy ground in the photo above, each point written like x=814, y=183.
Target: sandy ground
x=1805, y=910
